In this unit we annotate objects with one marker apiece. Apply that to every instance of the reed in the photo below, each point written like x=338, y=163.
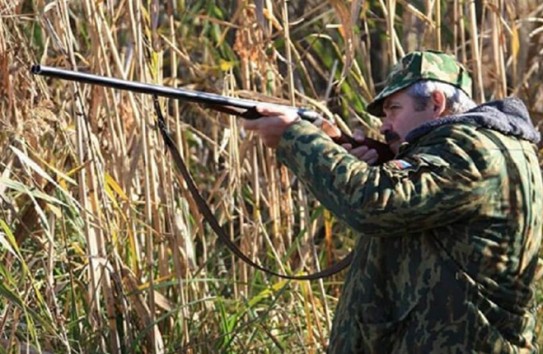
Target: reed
x=102, y=247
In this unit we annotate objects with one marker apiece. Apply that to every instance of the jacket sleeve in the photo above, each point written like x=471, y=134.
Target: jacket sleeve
x=411, y=194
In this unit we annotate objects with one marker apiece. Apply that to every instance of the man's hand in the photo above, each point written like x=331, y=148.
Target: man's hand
x=271, y=127
x=362, y=152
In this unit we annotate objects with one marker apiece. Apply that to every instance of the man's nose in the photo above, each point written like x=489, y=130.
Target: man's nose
x=385, y=126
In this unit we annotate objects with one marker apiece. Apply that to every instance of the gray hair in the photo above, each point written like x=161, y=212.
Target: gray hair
x=457, y=100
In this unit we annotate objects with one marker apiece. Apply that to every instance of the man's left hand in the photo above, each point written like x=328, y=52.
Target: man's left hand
x=275, y=120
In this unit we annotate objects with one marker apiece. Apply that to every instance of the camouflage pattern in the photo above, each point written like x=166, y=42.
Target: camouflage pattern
x=449, y=237
x=416, y=66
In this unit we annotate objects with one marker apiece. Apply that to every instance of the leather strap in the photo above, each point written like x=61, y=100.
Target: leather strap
x=214, y=223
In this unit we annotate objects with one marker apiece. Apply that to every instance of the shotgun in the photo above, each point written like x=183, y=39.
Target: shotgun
x=239, y=107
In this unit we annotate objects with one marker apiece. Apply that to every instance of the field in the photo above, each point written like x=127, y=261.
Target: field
x=102, y=247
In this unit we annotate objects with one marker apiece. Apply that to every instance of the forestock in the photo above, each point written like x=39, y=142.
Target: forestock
x=240, y=107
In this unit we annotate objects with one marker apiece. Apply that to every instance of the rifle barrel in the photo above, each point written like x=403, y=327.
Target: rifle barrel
x=159, y=90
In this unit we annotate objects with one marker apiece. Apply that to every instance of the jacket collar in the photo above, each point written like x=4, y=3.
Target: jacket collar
x=508, y=116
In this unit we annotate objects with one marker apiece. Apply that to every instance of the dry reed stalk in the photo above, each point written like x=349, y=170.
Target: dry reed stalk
x=437, y=31
x=390, y=12
x=100, y=35
x=462, y=28
x=476, y=66
x=5, y=60
x=235, y=188
x=457, y=20
x=183, y=261
x=136, y=21
x=305, y=290
x=91, y=233
x=284, y=175
x=345, y=30
x=498, y=47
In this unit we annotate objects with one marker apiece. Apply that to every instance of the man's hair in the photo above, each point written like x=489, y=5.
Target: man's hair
x=457, y=100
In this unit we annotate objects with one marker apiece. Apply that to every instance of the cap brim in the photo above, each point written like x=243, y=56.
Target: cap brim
x=375, y=107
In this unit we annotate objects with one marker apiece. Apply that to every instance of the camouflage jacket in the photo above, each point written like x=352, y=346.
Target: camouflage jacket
x=449, y=233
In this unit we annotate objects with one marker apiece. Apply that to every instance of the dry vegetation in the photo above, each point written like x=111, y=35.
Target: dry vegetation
x=103, y=249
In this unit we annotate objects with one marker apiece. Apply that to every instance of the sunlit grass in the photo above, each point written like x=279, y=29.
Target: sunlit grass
x=103, y=249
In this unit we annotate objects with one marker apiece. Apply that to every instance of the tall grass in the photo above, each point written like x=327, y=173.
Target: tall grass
x=103, y=249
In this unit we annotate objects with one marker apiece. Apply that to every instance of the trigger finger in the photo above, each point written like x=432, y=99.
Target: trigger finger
x=360, y=150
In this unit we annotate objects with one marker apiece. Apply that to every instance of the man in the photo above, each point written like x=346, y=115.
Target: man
x=449, y=230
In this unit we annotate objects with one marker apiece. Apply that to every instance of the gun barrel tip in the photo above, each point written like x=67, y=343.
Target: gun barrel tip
x=35, y=69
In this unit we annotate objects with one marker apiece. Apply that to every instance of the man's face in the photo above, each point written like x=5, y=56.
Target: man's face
x=401, y=117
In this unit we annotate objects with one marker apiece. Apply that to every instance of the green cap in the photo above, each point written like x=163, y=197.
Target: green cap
x=417, y=66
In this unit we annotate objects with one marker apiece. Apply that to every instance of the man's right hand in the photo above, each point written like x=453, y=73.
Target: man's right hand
x=362, y=152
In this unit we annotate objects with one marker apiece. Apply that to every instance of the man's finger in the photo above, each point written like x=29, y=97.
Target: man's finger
x=251, y=124
x=360, y=150
x=372, y=154
x=268, y=109
x=358, y=135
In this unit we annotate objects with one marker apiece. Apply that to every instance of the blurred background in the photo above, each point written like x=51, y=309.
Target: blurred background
x=103, y=249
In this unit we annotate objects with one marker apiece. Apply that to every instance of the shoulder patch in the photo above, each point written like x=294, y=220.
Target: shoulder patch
x=401, y=164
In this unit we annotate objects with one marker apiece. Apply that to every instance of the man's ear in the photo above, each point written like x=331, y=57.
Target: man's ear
x=439, y=102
